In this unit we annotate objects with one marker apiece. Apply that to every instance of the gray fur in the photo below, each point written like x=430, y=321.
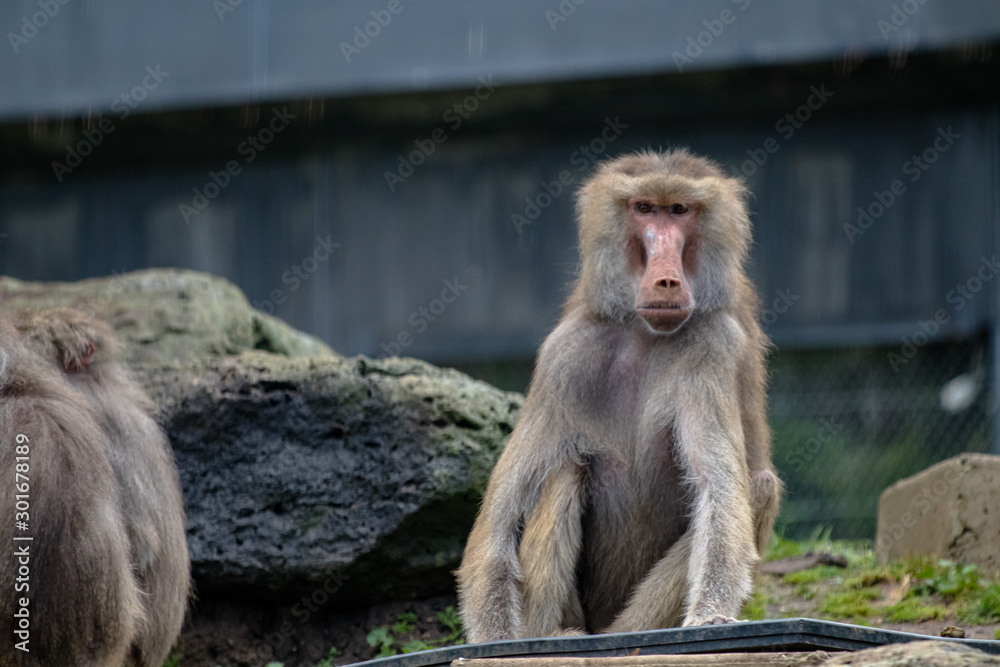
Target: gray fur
x=637, y=490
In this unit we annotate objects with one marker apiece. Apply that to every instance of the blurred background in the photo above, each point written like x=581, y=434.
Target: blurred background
x=397, y=177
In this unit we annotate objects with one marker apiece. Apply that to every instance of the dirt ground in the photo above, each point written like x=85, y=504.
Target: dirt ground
x=252, y=634
x=228, y=634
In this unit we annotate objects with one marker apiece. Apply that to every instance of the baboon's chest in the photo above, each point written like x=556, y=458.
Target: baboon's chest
x=637, y=503
x=637, y=507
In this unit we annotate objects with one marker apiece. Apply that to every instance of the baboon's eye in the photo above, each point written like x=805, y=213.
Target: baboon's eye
x=679, y=209
x=643, y=207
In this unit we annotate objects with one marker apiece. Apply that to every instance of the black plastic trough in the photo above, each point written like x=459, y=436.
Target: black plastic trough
x=791, y=634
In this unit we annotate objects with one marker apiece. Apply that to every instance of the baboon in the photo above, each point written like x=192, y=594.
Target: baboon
x=104, y=578
x=636, y=491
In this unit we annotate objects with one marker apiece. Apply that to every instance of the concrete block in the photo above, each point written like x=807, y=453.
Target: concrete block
x=951, y=510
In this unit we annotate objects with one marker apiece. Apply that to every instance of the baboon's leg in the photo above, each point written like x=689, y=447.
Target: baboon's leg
x=548, y=555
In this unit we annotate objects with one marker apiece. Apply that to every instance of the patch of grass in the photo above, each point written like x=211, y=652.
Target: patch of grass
x=872, y=576
x=781, y=547
x=996, y=634
x=983, y=608
x=813, y=575
x=755, y=608
x=862, y=557
x=854, y=604
x=805, y=591
x=912, y=610
x=914, y=565
x=931, y=589
x=173, y=660
x=857, y=552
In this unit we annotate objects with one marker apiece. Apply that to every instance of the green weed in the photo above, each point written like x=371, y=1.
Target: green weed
x=912, y=610
x=983, y=608
x=405, y=623
x=328, y=660
x=947, y=578
x=450, y=619
x=382, y=639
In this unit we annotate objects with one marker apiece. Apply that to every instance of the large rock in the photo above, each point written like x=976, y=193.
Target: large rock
x=299, y=466
x=169, y=315
x=917, y=654
x=294, y=469
x=951, y=510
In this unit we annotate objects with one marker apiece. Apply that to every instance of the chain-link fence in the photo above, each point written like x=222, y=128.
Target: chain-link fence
x=849, y=422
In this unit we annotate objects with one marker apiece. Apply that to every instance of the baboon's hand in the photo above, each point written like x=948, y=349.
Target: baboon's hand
x=569, y=632
x=717, y=619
